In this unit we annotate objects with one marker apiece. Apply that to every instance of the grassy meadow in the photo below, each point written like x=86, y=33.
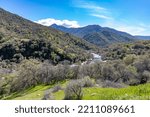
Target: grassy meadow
x=140, y=92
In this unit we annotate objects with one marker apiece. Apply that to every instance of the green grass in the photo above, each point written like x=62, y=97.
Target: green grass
x=141, y=92
x=59, y=95
x=34, y=93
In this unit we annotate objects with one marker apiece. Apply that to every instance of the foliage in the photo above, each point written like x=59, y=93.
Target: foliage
x=26, y=77
x=129, y=52
x=87, y=82
x=141, y=92
x=48, y=95
x=22, y=39
x=73, y=90
x=33, y=55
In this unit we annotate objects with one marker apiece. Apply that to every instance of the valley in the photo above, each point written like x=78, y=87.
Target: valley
x=55, y=62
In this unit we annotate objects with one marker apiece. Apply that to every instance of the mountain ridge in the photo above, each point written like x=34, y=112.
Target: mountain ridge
x=142, y=37
x=102, y=35
x=22, y=38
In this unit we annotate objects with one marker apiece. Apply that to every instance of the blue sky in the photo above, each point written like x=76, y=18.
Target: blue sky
x=131, y=16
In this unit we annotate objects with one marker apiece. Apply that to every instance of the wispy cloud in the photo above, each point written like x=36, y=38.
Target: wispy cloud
x=109, y=18
x=66, y=23
x=102, y=16
x=93, y=9
x=134, y=29
x=91, y=6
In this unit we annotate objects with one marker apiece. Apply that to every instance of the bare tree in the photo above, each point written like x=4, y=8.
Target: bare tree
x=73, y=90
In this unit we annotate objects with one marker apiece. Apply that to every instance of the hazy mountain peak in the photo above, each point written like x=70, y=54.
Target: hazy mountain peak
x=94, y=26
x=142, y=37
x=98, y=35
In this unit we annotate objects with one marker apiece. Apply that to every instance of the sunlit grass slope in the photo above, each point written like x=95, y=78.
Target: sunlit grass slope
x=141, y=92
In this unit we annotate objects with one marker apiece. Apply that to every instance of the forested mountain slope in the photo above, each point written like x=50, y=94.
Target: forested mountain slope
x=98, y=35
x=21, y=38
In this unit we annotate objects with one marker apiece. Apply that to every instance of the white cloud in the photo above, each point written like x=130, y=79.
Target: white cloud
x=101, y=16
x=109, y=20
x=93, y=9
x=134, y=29
x=66, y=23
x=91, y=6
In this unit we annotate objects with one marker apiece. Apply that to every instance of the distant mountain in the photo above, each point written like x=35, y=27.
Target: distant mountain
x=21, y=38
x=143, y=37
x=97, y=35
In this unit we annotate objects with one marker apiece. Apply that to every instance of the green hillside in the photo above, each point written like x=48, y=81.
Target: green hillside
x=21, y=38
x=38, y=62
x=140, y=92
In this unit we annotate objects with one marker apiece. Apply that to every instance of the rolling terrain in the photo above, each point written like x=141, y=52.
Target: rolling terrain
x=21, y=38
x=39, y=62
x=100, y=36
x=143, y=37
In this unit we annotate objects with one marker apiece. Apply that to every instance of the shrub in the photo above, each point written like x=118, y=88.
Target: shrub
x=108, y=72
x=18, y=58
x=73, y=90
x=49, y=74
x=56, y=88
x=48, y=95
x=107, y=83
x=142, y=64
x=4, y=87
x=129, y=59
x=145, y=77
x=27, y=76
x=87, y=82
